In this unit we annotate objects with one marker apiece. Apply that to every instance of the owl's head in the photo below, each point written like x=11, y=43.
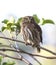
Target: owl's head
x=27, y=20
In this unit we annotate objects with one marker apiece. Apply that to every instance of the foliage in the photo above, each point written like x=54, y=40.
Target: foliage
x=5, y=21
x=8, y=63
x=45, y=21
x=5, y=63
x=0, y=59
x=36, y=18
x=13, y=25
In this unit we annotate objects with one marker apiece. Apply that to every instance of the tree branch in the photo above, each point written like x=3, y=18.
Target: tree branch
x=48, y=50
x=12, y=39
x=11, y=46
x=22, y=59
x=21, y=51
x=16, y=51
x=10, y=56
x=28, y=44
x=36, y=60
x=19, y=58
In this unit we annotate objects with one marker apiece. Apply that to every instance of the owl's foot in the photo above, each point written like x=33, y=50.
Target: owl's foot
x=27, y=44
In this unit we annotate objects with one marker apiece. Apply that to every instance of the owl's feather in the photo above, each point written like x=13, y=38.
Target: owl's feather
x=31, y=32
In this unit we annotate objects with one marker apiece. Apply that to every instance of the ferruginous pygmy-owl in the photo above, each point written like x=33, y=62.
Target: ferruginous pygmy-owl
x=32, y=32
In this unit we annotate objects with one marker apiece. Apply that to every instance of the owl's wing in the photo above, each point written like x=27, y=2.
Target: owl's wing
x=40, y=32
x=28, y=33
x=39, y=29
x=33, y=32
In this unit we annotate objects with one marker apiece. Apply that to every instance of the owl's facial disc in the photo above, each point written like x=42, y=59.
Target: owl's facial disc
x=26, y=20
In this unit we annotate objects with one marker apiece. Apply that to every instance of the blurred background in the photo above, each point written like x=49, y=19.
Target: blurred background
x=43, y=9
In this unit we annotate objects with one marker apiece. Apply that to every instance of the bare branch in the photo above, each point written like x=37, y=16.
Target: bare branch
x=28, y=44
x=10, y=56
x=21, y=51
x=11, y=46
x=19, y=58
x=36, y=60
x=48, y=50
x=23, y=59
x=16, y=51
x=12, y=39
x=37, y=55
x=5, y=46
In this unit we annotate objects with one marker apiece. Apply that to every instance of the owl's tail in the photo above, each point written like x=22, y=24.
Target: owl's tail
x=38, y=49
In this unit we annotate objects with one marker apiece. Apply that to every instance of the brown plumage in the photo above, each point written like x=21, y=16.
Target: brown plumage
x=32, y=32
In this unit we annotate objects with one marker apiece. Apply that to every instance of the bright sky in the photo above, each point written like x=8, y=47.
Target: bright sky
x=19, y=8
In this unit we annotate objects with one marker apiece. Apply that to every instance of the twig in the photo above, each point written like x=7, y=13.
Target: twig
x=5, y=46
x=32, y=55
x=48, y=50
x=24, y=42
x=25, y=60
x=21, y=51
x=29, y=55
x=10, y=56
x=5, y=55
x=21, y=58
x=14, y=51
x=36, y=60
x=37, y=55
x=12, y=39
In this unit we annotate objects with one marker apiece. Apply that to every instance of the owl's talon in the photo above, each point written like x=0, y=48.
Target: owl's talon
x=27, y=44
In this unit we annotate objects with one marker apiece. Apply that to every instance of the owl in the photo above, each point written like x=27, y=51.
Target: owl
x=31, y=31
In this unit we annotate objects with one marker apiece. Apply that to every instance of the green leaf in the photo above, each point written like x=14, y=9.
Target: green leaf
x=18, y=26
x=3, y=28
x=12, y=29
x=8, y=28
x=9, y=24
x=19, y=20
x=8, y=63
x=4, y=63
x=36, y=18
x=1, y=58
x=5, y=21
x=47, y=21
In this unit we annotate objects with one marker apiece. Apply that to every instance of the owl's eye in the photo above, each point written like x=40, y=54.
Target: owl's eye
x=24, y=18
x=24, y=22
